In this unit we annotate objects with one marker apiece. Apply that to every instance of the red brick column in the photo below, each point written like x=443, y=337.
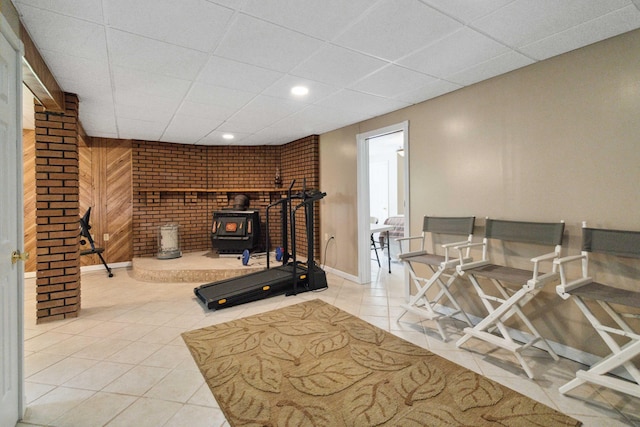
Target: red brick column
x=57, y=213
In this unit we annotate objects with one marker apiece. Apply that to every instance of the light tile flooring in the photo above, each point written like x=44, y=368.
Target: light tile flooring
x=122, y=362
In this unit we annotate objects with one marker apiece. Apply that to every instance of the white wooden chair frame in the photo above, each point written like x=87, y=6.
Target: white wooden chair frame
x=584, y=288
x=510, y=299
x=442, y=266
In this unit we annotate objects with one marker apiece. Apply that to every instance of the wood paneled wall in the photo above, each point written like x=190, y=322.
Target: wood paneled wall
x=105, y=186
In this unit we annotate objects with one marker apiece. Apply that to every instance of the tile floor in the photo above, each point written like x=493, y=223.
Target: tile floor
x=122, y=362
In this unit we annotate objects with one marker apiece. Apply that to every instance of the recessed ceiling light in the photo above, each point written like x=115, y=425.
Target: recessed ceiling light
x=299, y=90
x=228, y=136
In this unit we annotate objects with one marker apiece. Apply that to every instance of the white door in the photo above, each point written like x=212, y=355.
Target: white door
x=11, y=230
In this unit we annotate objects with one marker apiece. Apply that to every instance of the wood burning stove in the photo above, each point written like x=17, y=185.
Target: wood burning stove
x=233, y=231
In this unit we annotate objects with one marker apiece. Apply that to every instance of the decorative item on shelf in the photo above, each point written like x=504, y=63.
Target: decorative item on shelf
x=278, y=180
x=169, y=242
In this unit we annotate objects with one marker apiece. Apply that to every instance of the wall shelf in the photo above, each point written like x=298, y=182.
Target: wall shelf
x=211, y=190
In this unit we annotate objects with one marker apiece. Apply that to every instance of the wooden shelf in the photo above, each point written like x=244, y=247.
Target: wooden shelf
x=212, y=190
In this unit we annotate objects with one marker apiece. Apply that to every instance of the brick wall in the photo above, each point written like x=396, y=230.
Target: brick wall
x=175, y=183
x=57, y=212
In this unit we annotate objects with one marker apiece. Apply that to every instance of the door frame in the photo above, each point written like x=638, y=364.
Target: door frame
x=15, y=42
x=364, y=239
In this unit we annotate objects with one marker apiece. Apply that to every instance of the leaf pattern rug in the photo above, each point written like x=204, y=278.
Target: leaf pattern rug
x=312, y=364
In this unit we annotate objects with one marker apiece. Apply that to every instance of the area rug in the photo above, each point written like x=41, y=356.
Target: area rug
x=312, y=364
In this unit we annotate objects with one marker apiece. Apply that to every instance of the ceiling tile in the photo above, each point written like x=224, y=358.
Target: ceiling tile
x=337, y=66
x=456, y=52
x=129, y=80
x=391, y=80
x=188, y=130
x=221, y=96
x=196, y=24
x=98, y=124
x=523, y=22
x=321, y=19
x=90, y=10
x=133, y=105
x=215, y=138
x=491, y=68
x=63, y=34
x=77, y=69
x=610, y=25
x=467, y=10
x=145, y=54
x=395, y=28
x=430, y=90
x=265, y=110
x=266, y=45
x=317, y=90
x=207, y=111
x=140, y=129
x=367, y=105
x=236, y=75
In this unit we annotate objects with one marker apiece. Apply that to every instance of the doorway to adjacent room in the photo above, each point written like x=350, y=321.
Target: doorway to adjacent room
x=383, y=189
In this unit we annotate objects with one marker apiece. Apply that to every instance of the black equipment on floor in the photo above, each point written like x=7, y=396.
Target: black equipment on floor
x=291, y=278
x=84, y=232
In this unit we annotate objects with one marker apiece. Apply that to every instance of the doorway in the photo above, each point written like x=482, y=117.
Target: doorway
x=380, y=196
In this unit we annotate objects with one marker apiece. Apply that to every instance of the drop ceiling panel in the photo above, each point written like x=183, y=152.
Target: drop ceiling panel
x=221, y=96
x=76, y=69
x=321, y=19
x=63, y=34
x=430, y=90
x=467, y=10
x=153, y=56
x=236, y=75
x=317, y=90
x=458, y=51
x=195, y=24
x=392, y=80
x=493, y=67
x=127, y=79
x=215, y=138
x=188, y=130
x=365, y=104
x=338, y=66
x=207, y=111
x=395, y=28
x=542, y=18
x=88, y=10
x=612, y=24
x=141, y=129
x=266, y=45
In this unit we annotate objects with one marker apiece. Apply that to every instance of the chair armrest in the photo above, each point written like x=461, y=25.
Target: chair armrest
x=401, y=239
x=406, y=239
x=538, y=280
x=567, y=285
x=453, y=245
x=551, y=255
x=466, y=265
x=566, y=259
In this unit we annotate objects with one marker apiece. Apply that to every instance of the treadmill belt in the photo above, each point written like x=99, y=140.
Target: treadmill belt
x=250, y=287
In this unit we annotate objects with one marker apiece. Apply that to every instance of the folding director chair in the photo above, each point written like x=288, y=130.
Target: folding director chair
x=515, y=287
x=442, y=266
x=617, y=243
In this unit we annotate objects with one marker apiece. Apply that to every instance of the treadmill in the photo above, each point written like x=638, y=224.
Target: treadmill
x=290, y=278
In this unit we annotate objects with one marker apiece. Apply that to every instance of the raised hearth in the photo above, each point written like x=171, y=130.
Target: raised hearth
x=197, y=267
